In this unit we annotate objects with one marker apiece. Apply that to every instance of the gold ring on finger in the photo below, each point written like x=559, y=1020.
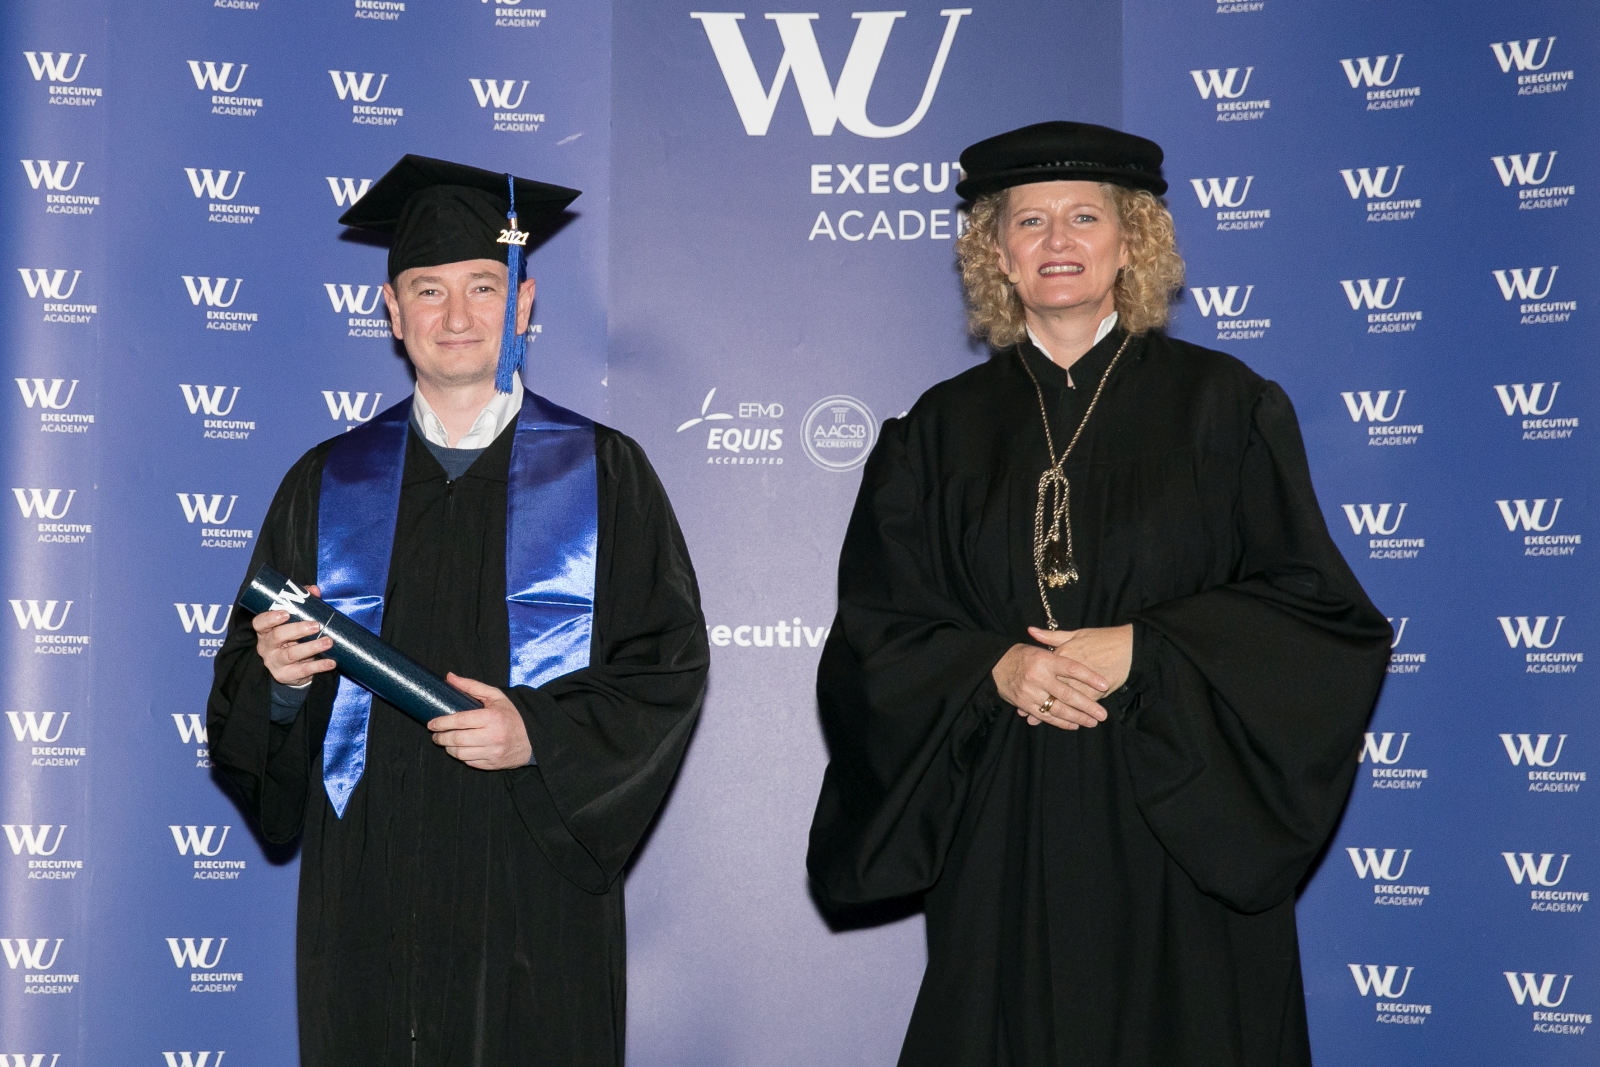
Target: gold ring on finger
x=1049, y=702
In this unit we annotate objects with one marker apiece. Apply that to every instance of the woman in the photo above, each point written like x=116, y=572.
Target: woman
x=1099, y=675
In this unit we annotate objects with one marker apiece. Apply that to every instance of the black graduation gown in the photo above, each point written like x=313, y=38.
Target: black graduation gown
x=1120, y=896
x=457, y=916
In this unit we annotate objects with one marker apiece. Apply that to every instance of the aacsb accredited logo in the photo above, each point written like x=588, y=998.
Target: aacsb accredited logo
x=1229, y=303
x=46, y=619
x=1529, y=63
x=886, y=179
x=41, y=843
x=505, y=97
x=1541, y=752
x=1227, y=197
x=1529, y=286
x=218, y=190
x=192, y=731
x=49, y=509
x=214, y=403
x=1384, y=751
x=785, y=633
x=1377, y=74
x=52, y=396
x=1379, y=523
x=838, y=433
x=1523, y=400
x=212, y=515
x=1385, y=867
x=1226, y=85
x=58, y=177
x=1543, y=871
x=1535, y=518
x=352, y=409
x=52, y=285
x=61, y=71
x=358, y=306
x=1408, y=662
x=364, y=89
x=223, y=81
x=36, y=958
x=210, y=621
x=205, y=844
x=750, y=438
x=42, y=732
x=1537, y=636
x=380, y=10
x=1380, y=410
x=201, y=956
x=512, y=15
x=1545, y=991
x=1534, y=193
x=218, y=295
x=1377, y=186
x=1387, y=983
x=1379, y=297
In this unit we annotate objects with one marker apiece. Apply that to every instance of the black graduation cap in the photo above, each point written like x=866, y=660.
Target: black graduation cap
x=443, y=212
x=1061, y=152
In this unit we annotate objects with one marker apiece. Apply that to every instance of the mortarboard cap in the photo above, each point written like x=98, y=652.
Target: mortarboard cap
x=1061, y=152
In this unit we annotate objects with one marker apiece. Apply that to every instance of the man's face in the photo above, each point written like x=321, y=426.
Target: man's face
x=450, y=318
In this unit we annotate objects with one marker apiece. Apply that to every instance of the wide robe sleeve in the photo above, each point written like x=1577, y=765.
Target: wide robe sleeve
x=609, y=738
x=905, y=691
x=1242, y=718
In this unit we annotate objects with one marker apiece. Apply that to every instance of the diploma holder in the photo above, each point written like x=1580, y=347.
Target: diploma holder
x=362, y=656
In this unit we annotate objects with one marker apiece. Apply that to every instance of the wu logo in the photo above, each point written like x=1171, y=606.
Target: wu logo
x=211, y=290
x=1362, y=405
x=203, y=617
x=1525, y=286
x=1216, y=81
x=46, y=396
x=1507, y=53
x=1380, y=980
x=1367, y=183
x=353, y=86
x=215, y=78
x=54, y=65
x=210, y=184
x=1376, y=747
x=1363, y=294
x=31, y=957
x=346, y=191
x=1369, y=864
x=35, y=726
x=1519, y=516
x=499, y=93
x=825, y=103
x=1529, y=987
x=1532, y=748
x=1399, y=631
x=208, y=398
x=31, y=618
x=191, y=727
x=1365, y=519
x=1521, y=168
x=188, y=954
x=1517, y=400
x=190, y=839
x=1366, y=71
x=1213, y=191
x=35, y=502
x=353, y=300
x=1523, y=866
x=1215, y=300
x=41, y=172
x=342, y=408
x=189, y=1059
x=20, y=1059
x=34, y=839
x=39, y=281
x=1525, y=636
x=195, y=506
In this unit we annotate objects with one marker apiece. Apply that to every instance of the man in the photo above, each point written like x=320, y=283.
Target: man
x=460, y=890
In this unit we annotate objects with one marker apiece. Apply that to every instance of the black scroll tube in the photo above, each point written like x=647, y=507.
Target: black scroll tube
x=362, y=656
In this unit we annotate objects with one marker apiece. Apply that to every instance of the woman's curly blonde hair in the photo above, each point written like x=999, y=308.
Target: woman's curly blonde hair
x=1144, y=290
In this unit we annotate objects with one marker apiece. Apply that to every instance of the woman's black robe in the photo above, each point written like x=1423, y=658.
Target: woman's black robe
x=457, y=916
x=1122, y=895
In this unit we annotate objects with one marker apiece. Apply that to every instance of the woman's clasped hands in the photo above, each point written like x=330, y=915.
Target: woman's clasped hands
x=1061, y=680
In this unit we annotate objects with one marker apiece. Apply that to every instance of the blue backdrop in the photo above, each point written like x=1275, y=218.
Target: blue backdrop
x=1381, y=208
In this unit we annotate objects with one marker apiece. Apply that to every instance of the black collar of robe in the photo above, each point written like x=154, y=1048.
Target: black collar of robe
x=1066, y=402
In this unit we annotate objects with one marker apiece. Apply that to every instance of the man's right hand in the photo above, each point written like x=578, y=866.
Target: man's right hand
x=279, y=644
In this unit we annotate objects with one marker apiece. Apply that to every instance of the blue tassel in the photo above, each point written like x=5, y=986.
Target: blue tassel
x=513, y=345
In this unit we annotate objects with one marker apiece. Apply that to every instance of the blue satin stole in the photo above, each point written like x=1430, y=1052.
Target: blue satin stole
x=552, y=535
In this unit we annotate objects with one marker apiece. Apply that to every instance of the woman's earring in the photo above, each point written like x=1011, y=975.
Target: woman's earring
x=1014, y=277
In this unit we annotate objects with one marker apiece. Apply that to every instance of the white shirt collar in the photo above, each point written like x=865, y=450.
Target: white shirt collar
x=1107, y=324
x=497, y=414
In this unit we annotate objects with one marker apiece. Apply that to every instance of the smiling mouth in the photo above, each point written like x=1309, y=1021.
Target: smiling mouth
x=1061, y=268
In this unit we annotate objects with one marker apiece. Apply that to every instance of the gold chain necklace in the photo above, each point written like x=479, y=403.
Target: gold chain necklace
x=1053, y=562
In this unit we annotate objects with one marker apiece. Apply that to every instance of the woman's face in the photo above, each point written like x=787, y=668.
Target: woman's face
x=1062, y=245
